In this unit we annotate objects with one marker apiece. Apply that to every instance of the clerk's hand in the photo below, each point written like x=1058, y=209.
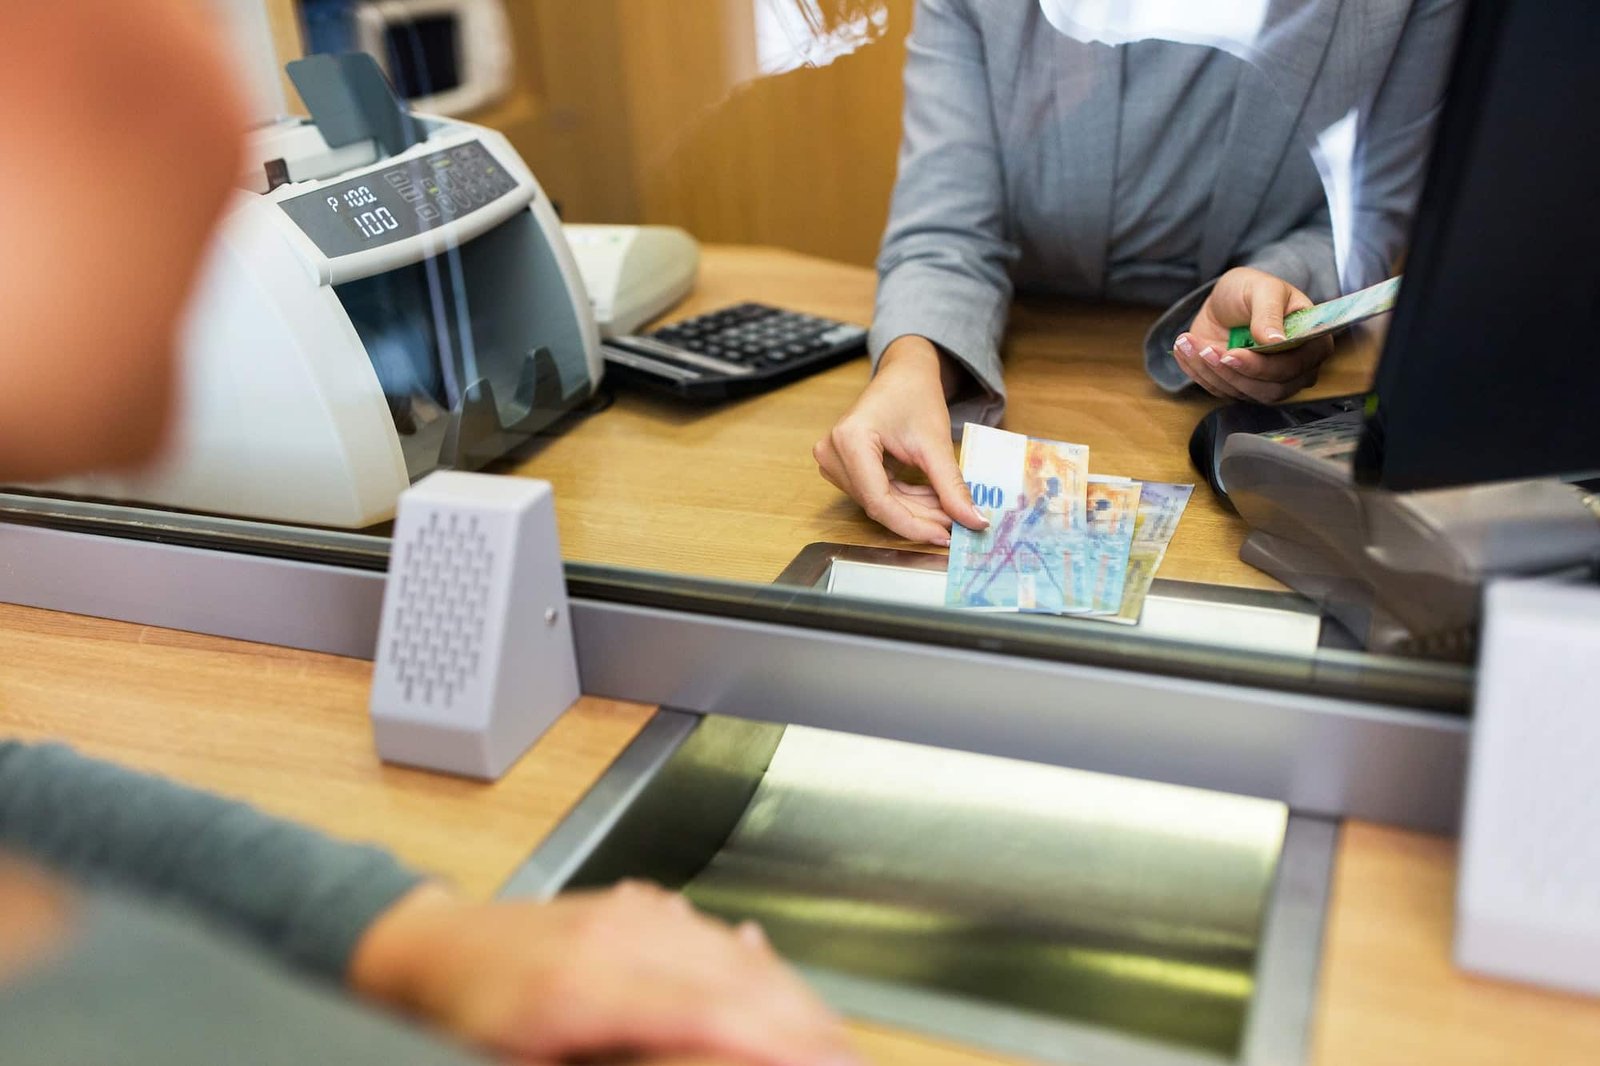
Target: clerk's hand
x=630, y=971
x=1245, y=295
x=902, y=414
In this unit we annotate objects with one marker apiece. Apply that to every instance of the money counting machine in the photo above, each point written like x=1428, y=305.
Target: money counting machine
x=388, y=294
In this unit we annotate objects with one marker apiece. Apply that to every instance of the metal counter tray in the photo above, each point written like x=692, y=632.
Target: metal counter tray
x=1065, y=916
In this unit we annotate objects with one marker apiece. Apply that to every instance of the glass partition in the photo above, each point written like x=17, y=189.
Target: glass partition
x=1026, y=204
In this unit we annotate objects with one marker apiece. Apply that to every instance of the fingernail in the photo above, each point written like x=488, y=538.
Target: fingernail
x=1276, y=335
x=1210, y=356
x=1232, y=360
x=943, y=542
x=1185, y=347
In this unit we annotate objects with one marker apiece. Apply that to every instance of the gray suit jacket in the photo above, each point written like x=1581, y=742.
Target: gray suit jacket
x=1008, y=162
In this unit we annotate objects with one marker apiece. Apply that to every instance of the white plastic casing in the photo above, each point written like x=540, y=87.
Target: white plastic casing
x=633, y=273
x=1528, y=900
x=475, y=657
x=282, y=416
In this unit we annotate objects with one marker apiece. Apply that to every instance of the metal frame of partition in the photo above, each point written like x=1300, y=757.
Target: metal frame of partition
x=1304, y=738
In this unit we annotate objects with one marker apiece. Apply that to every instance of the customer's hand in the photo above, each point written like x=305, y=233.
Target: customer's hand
x=902, y=414
x=628, y=971
x=1245, y=295
x=125, y=128
x=36, y=916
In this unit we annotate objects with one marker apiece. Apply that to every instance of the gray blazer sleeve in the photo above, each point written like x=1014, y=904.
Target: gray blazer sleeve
x=943, y=269
x=1390, y=161
x=300, y=895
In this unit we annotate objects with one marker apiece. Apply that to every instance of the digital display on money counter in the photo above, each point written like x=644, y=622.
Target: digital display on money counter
x=400, y=201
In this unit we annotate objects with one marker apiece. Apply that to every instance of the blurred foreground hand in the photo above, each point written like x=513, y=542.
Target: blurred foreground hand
x=630, y=971
x=119, y=141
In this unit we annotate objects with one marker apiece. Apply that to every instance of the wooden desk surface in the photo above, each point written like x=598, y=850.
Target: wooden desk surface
x=732, y=492
x=288, y=730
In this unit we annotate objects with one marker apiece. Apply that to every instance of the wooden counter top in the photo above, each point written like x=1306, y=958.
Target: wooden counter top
x=288, y=731
x=731, y=491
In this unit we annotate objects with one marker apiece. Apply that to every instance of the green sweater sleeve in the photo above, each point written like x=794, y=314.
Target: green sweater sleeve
x=298, y=894
x=140, y=986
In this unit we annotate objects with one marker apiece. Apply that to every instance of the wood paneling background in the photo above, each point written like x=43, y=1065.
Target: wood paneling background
x=658, y=111
x=285, y=18
x=644, y=111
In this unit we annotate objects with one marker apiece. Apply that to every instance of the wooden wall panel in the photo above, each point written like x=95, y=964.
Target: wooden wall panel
x=656, y=111
x=803, y=159
x=286, y=34
x=569, y=114
x=644, y=111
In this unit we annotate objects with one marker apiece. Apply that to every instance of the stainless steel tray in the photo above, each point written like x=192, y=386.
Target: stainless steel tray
x=1062, y=915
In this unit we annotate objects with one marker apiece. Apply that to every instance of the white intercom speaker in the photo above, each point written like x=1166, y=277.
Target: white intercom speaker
x=1528, y=897
x=475, y=657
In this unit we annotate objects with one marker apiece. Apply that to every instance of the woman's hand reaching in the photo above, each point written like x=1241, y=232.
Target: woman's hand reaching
x=1246, y=295
x=902, y=414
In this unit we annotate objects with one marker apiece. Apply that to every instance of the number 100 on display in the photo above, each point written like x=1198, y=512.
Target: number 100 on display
x=374, y=222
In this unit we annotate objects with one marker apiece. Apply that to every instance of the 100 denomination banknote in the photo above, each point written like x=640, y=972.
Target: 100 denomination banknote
x=1010, y=472
x=1058, y=541
x=1019, y=563
x=1031, y=557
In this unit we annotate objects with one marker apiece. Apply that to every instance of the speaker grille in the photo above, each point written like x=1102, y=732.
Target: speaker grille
x=444, y=569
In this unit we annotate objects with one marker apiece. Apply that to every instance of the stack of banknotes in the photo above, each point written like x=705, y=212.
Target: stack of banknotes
x=1060, y=540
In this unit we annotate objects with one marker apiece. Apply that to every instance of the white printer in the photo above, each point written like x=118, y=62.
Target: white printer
x=388, y=294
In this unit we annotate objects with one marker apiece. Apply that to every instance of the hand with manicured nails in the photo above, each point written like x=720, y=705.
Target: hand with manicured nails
x=903, y=415
x=629, y=971
x=1245, y=295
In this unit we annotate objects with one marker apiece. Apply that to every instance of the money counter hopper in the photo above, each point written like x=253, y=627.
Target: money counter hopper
x=1054, y=914
x=388, y=294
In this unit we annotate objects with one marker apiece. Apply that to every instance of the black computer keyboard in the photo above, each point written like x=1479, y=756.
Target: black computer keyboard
x=744, y=349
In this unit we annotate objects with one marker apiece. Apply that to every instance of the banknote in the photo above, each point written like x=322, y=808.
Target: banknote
x=1010, y=472
x=1019, y=563
x=1160, y=507
x=1033, y=554
x=1059, y=540
x=1338, y=313
x=1113, y=512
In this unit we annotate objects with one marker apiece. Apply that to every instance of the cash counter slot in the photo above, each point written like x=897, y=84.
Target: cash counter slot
x=1061, y=915
x=1281, y=623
